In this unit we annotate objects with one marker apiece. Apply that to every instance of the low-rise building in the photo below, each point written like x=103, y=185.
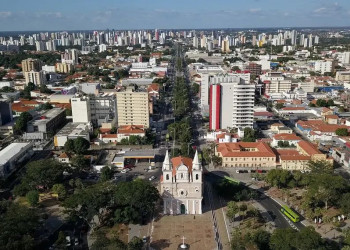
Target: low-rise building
x=45, y=125
x=72, y=131
x=254, y=155
x=13, y=156
x=292, y=139
x=299, y=158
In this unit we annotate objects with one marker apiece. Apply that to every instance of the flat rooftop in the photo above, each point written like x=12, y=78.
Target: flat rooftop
x=11, y=150
x=73, y=129
x=140, y=154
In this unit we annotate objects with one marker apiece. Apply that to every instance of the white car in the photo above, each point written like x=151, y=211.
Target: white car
x=123, y=171
x=152, y=178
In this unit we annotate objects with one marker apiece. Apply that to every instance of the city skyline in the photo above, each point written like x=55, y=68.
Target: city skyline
x=140, y=14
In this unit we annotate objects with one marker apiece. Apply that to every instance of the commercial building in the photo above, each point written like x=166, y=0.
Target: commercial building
x=72, y=131
x=31, y=64
x=5, y=112
x=81, y=109
x=254, y=155
x=231, y=104
x=92, y=88
x=324, y=66
x=133, y=107
x=275, y=82
x=46, y=124
x=343, y=76
x=254, y=69
x=13, y=156
x=70, y=56
x=182, y=185
x=36, y=77
x=97, y=109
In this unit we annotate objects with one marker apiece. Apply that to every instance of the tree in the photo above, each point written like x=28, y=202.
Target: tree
x=33, y=197
x=217, y=161
x=41, y=174
x=235, y=68
x=61, y=240
x=80, y=162
x=135, y=244
x=283, y=239
x=232, y=210
x=311, y=104
x=44, y=89
x=279, y=105
x=60, y=190
x=342, y=132
x=106, y=173
x=18, y=225
x=321, y=103
x=114, y=130
x=249, y=135
x=69, y=146
x=324, y=188
x=21, y=122
x=308, y=238
x=344, y=203
x=81, y=145
x=261, y=238
x=195, y=88
x=341, y=109
x=320, y=167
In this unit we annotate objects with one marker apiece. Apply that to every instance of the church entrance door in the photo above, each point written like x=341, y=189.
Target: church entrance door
x=183, y=209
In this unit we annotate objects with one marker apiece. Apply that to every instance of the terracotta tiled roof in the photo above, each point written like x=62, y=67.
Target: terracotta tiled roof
x=295, y=158
x=109, y=135
x=331, y=117
x=238, y=149
x=18, y=107
x=309, y=148
x=287, y=137
x=177, y=161
x=319, y=125
x=131, y=129
x=64, y=155
x=153, y=87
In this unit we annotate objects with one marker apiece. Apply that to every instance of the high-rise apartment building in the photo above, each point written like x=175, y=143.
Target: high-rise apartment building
x=231, y=104
x=38, y=78
x=133, y=107
x=31, y=65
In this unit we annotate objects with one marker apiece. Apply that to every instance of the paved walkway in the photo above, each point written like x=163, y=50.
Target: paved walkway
x=168, y=230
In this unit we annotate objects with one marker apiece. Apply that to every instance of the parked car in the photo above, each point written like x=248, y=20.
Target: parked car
x=68, y=243
x=152, y=178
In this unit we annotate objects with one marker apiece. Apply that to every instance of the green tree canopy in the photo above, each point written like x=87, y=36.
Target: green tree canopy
x=18, y=225
x=342, y=132
x=106, y=173
x=33, y=197
x=249, y=135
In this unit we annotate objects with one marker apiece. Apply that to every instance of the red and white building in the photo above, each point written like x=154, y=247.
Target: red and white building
x=214, y=107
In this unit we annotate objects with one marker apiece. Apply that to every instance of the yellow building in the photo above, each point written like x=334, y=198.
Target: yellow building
x=31, y=64
x=64, y=67
x=298, y=159
x=253, y=155
x=133, y=107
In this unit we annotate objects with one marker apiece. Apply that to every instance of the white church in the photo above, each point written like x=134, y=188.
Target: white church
x=182, y=185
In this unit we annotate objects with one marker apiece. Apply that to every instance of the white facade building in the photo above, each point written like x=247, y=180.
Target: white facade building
x=182, y=185
x=324, y=66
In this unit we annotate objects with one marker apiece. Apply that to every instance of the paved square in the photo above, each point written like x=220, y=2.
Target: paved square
x=169, y=229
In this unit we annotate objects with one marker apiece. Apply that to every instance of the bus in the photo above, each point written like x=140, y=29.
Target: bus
x=290, y=213
x=232, y=180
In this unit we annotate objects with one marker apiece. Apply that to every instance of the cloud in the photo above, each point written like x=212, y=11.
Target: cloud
x=5, y=14
x=320, y=10
x=48, y=14
x=256, y=10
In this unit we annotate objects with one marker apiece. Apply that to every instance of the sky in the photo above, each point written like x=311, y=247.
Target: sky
x=23, y=15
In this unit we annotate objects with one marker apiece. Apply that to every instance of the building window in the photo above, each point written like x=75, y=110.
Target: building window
x=167, y=177
x=182, y=176
x=197, y=176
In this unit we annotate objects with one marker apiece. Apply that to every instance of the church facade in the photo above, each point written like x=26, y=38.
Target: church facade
x=182, y=185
